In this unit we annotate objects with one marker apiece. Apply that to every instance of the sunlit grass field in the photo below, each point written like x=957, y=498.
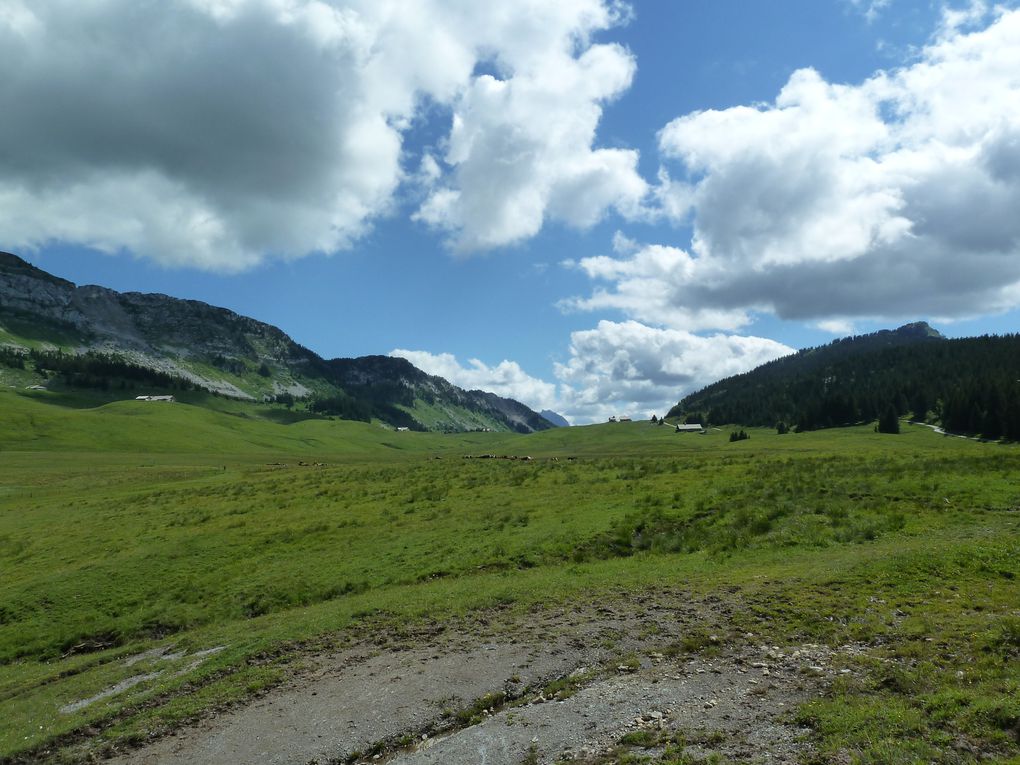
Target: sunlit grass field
x=139, y=526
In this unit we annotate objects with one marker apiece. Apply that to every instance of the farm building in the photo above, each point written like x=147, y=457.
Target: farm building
x=169, y=399
x=690, y=428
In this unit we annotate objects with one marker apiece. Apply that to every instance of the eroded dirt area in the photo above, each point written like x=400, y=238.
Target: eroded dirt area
x=559, y=685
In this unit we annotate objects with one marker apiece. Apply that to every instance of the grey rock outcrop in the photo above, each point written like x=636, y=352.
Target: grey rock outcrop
x=193, y=340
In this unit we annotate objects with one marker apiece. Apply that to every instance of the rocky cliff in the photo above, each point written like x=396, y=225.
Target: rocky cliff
x=224, y=352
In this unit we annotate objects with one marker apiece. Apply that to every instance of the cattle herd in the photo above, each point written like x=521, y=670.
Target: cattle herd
x=508, y=457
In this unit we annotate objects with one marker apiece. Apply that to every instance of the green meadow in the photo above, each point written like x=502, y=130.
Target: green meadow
x=192, y=554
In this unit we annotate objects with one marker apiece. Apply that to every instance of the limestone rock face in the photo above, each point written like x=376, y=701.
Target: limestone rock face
x=28, y=290
x=154, y=330
x=194, y=340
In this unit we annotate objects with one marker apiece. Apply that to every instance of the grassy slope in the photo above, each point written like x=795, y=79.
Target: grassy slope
x=232, y=428
x=134, y=526
x=439, y=417
x=46, y=337
x=31, y=335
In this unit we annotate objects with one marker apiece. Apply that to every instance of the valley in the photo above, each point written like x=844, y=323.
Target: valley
x=167, y=566
x=521, y=383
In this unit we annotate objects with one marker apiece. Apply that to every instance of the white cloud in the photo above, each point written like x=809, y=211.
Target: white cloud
x=837, y=327
x=893, y=198
x=614, y=369
x=521, y=151
x=215, y=133
x=505, y=379
x=630, y=368
x=651, y=284
x=871, y=9
x=956, y=18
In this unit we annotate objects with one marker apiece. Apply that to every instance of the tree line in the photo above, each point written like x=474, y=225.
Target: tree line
x=967, y=385
x=102, y=371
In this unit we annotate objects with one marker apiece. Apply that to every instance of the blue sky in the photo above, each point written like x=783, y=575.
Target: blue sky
x=592, y=207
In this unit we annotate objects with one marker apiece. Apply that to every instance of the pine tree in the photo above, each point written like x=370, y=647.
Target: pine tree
x=919, y=406
x=889, y=422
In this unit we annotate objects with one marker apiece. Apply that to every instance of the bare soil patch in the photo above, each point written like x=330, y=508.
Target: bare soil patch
x=558, y=684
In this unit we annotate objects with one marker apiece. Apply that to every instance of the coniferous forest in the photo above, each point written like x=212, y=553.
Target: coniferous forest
x=969, y=385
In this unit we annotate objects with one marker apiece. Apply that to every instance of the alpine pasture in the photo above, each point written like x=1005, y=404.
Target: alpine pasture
x=159, y=561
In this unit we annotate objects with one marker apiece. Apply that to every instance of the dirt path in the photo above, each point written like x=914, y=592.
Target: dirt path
x=711, y=703
x=481, y=694
x=942, y=432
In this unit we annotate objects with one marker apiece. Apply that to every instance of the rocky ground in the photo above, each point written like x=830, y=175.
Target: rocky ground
x=588, y=684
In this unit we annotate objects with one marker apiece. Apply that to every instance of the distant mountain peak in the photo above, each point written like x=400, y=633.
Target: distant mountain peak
x=920, y=329
x=12, y=264
x=555, y=418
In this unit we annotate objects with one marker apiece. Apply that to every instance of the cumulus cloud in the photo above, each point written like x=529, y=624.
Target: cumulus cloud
x=623, y=368
x=631, y=368
x=521, y=151
x=505, y=379
x=215, y=133
x=891, y=198
x=652, y=284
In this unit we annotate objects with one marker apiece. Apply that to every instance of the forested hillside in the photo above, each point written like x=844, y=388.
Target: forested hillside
x=968, y=385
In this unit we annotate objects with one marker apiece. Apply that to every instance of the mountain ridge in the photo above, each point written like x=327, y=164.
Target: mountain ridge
x=968, y=385
x=226, y=353
x=555, y=418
